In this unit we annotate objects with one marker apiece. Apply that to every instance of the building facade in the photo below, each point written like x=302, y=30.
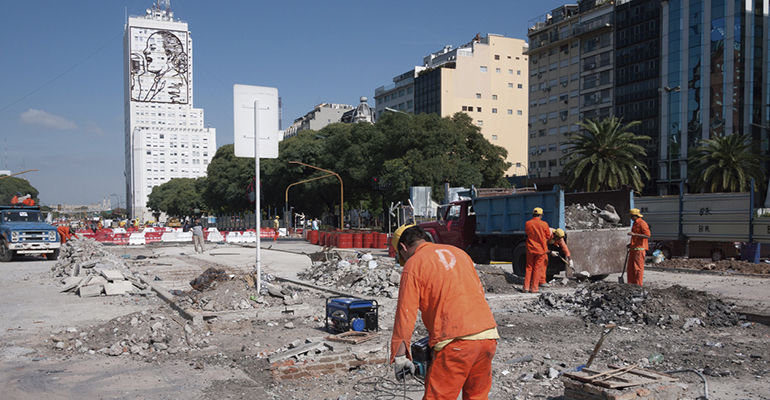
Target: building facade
x=165, y=136
x=484, y=78
x=322, y=115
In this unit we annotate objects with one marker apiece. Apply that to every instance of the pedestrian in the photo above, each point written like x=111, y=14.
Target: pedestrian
x=637, y=249
x=65, y=234
x=197, y=230
x=557, y=239
x=276, y=225
x=441, y=282
x=538, y=233
x=314, y=224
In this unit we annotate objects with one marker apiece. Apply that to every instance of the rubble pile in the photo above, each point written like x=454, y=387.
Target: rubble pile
x=676, y=306
x=363, y=275
x=578, y=216
x=142, y=334
x=87, y=269
x=232, y=294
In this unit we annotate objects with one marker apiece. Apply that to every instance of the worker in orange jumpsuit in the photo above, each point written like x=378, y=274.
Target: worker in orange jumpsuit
x=538, y=234
x=65, y=234
x=15, y=199
x=441, y=282
x=28, y=201
x=637, y=249
x=557, y=239
x=276, y=225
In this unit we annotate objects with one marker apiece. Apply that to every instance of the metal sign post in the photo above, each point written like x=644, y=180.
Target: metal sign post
x=249, y=126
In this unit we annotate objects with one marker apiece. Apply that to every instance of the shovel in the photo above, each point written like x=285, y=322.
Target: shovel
x=625, y=264
x=606, y=331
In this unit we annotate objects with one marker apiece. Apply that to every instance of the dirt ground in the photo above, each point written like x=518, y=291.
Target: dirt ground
x=744, y=267
x=662, y=328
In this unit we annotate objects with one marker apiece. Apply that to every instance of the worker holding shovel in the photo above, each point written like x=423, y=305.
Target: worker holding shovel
x=640, y=232
x=557, y=239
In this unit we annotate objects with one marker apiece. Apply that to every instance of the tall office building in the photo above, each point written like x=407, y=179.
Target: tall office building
x=165, y=136
x=485, y=78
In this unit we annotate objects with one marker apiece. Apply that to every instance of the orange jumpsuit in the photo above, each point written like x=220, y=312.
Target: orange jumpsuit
x=64, y=233
x=561, y=244
x=15, y=199
x=637, y=251
x=28, y=202
x=538, y=234
x=441, y=282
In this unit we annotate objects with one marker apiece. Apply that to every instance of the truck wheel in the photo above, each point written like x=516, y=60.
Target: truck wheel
x=53, y=256
x=5, y=253
x=717, y=255
x=519, y=261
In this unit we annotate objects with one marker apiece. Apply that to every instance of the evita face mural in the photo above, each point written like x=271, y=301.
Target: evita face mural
x=159, y=66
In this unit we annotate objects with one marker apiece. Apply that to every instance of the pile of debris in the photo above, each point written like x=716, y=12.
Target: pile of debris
x=363, y=275
x=87, y=269
x=676, y=306
x=578, y=216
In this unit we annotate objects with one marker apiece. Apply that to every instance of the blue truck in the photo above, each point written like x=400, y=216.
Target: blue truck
x=23, y=230
x=490, y=228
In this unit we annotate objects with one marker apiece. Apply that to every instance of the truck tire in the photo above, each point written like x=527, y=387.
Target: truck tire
x=53, y=256
x=717, y=255
x=6, y=254
x=519, y=262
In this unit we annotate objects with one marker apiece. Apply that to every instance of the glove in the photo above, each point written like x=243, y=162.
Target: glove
x=554, y=254
x=403, y=366
x=571, y=265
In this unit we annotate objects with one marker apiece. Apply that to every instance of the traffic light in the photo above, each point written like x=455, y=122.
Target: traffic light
x=375, y=183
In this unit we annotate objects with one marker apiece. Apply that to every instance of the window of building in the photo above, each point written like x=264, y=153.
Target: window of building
x=553, y=66
x=510, y=112
x=480, y=123
x=497, y=70
x=465, y=108
x=483, y=68
x=532, y=134
x=401, y=93
x=510, y=86
x=518, y=71
x=510, y=72
x=497, y=56
x=521, y=86
x=494, y=137
x=494, y=111
x=494, y=97
x=478, y=109
x=478, y=95
x=519, y=112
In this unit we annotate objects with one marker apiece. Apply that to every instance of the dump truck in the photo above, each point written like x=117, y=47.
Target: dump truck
x=490, y=227
x=23, y=230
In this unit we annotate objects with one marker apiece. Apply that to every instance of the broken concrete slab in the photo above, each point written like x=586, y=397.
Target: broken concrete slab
x=94, y=280
x=297, y=351
x=114, y=288
x=112, y=275
x=71, y=283
x=90, y=291
x=128, y=286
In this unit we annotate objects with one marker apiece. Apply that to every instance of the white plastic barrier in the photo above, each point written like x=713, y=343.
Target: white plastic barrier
x=184, y=237
x=136, y=238
x=234, y=237
x=169, y=237
x=214, y=235
x=118, y=230
x=249, y=237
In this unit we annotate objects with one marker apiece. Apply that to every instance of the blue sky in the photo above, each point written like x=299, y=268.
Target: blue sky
x=61, y=74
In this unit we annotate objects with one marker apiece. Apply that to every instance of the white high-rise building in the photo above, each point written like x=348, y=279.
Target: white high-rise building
x=166, y=137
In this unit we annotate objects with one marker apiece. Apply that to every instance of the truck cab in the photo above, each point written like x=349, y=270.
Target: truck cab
x=455, y=226
x=23, y=230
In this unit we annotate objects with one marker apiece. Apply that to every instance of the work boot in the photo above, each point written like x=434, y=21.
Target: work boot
x=545, y=285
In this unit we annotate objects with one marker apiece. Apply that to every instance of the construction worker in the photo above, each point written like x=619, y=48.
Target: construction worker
x=637, y=249
x=15, y=199
x=276, y=225
x=557, y=239
x=65, y=234
x=538, y=233
x=28, y=200
x=441, y=282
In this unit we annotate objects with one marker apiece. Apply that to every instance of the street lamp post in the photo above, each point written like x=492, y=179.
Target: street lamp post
x=668, y=90
x=342, y=203
x=297, y=183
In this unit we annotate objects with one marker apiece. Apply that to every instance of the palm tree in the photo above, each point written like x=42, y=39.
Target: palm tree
x=605, y=157
x=726, y=164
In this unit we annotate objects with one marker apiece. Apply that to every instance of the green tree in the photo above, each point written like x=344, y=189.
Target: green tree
x=726, y=164
x=10, y=185
x=605, y=157
x=178, y=197
x=228, y=177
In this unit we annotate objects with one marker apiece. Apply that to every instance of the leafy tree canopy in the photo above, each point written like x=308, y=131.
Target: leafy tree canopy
x=11, y=185
x=605, y=157
x=228, y=177
x=726, y=164
x=178, y=197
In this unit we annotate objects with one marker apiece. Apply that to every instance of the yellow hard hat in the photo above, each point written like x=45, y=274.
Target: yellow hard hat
x=537, y=211
x=396, y=238
x=635, y=211
x=559, y=232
